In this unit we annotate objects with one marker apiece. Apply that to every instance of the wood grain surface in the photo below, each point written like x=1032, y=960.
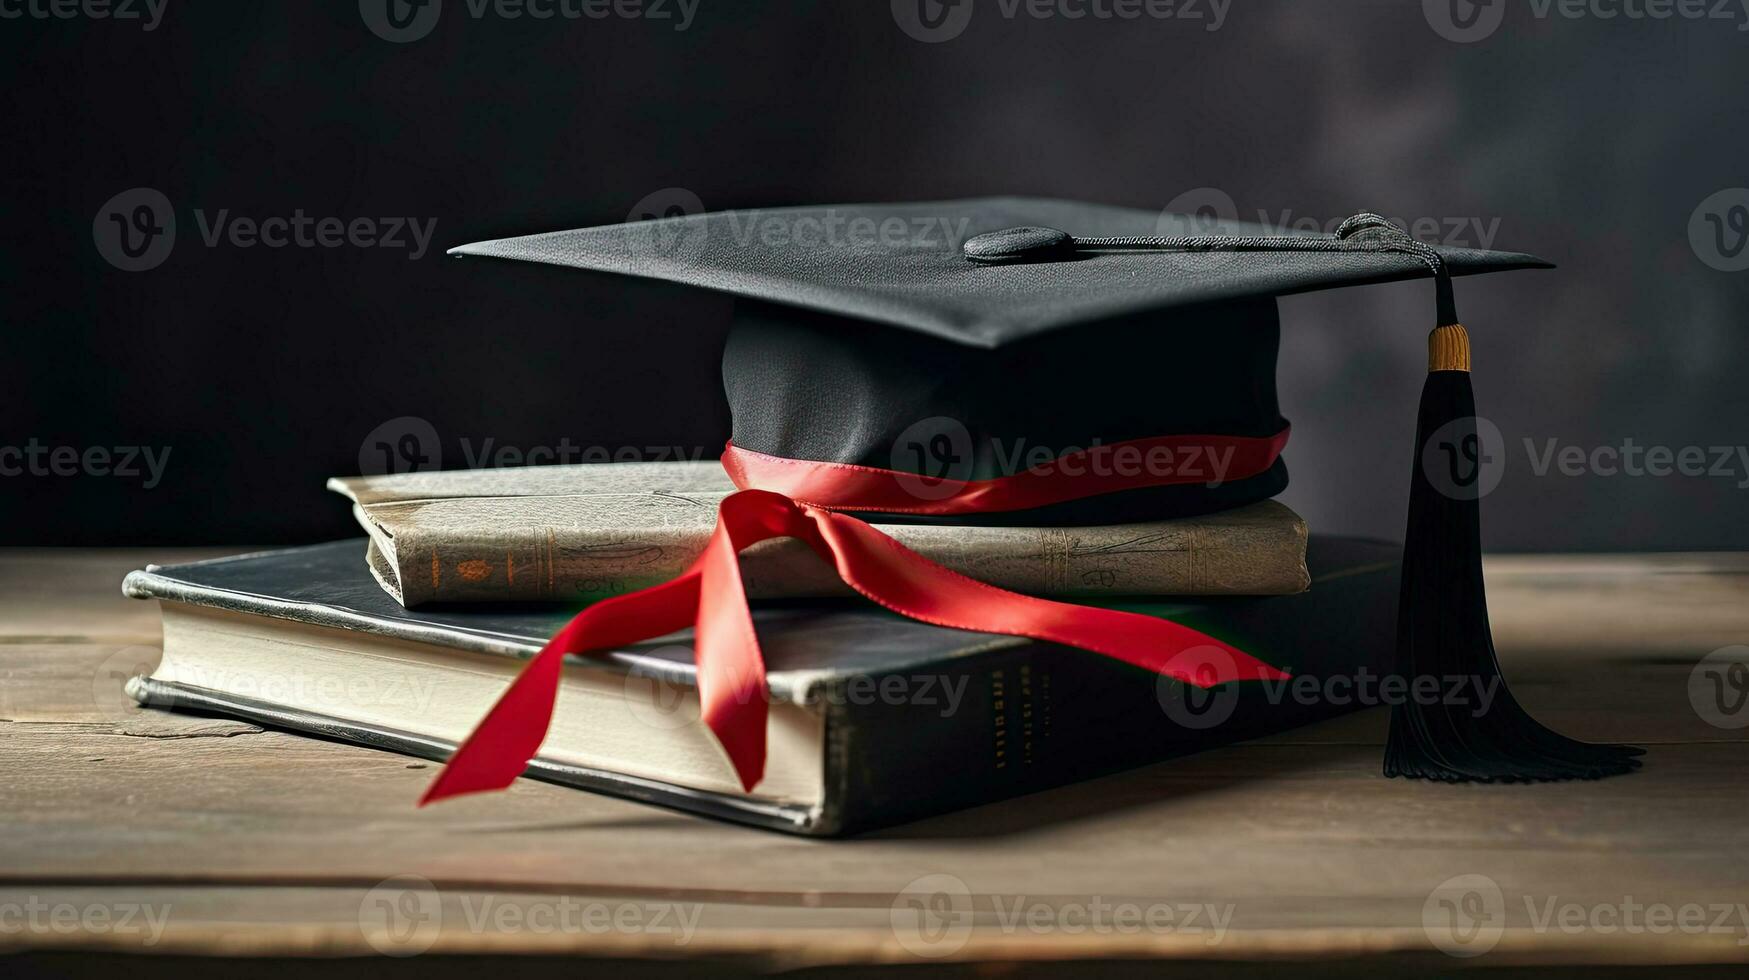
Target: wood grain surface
x=212, y=837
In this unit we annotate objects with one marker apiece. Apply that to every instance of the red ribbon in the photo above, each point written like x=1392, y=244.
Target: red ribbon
x=1158, y=461
x=709, y=597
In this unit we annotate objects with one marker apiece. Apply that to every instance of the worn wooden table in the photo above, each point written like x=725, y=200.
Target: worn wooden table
x=128, y=832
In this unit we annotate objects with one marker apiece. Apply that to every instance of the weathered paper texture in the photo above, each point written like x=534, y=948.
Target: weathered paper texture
x=581, y=533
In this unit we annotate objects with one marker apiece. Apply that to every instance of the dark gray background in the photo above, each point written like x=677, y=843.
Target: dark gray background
x=1591, y=141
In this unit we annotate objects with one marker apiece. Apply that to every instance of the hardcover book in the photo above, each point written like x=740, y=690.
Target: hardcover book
x=875, y=719
x=579, y=533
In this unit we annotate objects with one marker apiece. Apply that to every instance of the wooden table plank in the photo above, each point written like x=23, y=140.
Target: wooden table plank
x=268, y=843
x=50, y=595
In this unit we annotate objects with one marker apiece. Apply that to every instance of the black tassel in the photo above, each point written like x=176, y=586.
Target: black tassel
x=1442, y=620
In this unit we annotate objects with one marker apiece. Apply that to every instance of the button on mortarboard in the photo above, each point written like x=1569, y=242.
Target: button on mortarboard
x=1028, y=244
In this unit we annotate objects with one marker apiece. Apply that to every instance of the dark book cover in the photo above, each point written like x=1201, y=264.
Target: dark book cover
x=976, y=717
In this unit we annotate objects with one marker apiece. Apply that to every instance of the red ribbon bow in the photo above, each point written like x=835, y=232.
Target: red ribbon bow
x=710, y=598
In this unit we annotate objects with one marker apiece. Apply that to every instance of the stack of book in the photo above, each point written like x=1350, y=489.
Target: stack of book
x=404, y=639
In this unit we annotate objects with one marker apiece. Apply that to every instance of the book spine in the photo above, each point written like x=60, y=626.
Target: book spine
x=1012, y=721
x=974, y=732
x=532, y=563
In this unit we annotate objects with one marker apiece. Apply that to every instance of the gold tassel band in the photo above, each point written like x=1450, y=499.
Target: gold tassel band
x=1448, y=349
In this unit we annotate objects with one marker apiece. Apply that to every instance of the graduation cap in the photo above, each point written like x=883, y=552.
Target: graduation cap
x=893, y=360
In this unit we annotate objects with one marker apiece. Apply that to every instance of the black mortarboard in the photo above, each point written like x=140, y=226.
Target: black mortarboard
x=894, y=350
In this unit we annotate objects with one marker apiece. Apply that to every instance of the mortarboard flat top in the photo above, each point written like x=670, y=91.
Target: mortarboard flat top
x=902, y=264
